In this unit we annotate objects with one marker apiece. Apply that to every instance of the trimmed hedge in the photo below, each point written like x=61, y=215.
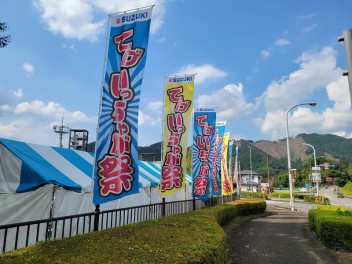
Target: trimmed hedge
x=317, y=200
x=333, y=226
x=246, y=194
x=193, y=237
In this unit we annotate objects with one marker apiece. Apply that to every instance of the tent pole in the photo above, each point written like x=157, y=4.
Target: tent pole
x=51, y=213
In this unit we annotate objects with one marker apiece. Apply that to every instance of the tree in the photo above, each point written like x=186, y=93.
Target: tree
x=281, y=180
x=4, y=40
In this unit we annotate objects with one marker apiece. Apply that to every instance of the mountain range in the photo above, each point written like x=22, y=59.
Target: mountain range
x=264, y=155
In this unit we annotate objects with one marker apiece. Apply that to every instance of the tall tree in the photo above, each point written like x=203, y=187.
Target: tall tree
x=4, y=40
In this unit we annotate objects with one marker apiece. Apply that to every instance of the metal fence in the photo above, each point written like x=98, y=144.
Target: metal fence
x=19, y=235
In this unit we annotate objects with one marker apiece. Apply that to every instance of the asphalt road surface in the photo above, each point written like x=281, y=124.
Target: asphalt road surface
x=281, y=238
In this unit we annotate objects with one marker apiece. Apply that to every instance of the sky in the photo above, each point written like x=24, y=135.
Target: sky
x=253, y=61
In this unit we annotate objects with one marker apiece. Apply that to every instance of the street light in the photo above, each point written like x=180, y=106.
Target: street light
x=315, y=164
x=288, y=153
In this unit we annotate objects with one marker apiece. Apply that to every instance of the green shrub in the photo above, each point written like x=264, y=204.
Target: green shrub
x=193, y=237
x=281, y=194
x=247, y=194
x=347, y=189
x=333, y=226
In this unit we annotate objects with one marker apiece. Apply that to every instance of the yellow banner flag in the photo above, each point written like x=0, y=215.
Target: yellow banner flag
x=178, y=102
x=226, y=182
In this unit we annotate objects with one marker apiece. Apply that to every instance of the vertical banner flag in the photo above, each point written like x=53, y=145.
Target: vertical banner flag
x=216, y=158
x=203, y=140
x=226, y=182
x=178, y=102
x=237, y=178
x=230, y=161
x=116, y=152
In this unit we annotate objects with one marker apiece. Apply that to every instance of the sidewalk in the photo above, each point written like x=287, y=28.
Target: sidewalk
x=281, y=238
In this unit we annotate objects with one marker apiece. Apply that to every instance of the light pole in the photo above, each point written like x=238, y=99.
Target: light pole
x=288, y=153
x=315, y=165
x=250, y=163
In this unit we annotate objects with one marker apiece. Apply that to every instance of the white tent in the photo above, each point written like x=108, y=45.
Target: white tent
x=38, y=182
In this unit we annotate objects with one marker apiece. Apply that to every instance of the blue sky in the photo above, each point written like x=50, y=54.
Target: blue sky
x=254, y=60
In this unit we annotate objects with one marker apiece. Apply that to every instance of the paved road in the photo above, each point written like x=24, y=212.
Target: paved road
x=329, y=192
x=299, y=205
x=281, y=238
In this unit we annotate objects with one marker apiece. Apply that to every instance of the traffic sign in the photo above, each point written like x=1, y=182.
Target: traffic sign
x=326, y=165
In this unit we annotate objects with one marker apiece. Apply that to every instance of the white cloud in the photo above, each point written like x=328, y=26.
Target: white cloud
x=229, y=102
x=38, y=107
x=18, y=94
x=265, y=53
x=71, y=19
x=120, y=6
x=204, y=72
x=308, y=16
x=317, y=71
x=300, y=119
x=155, y=105
x=76, y=19
x=69, y=46
x=309, y=28
x=27, y=67
x=144, y=119
x=281, y=42
x=9, y=96
x=338, y=117
x=33, y=122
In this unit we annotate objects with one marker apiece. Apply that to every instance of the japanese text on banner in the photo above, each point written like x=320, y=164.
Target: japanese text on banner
x=216, y=158
x=203, y=141
x=116, y=155
x=178, y=108
x=226, y=181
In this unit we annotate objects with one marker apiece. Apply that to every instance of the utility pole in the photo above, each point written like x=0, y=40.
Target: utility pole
x=250, y=161
x=267, y=167
x=347, y=41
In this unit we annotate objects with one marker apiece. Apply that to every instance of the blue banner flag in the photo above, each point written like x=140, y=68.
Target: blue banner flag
x=203, y=141
x=216, y=158
x=116, y=153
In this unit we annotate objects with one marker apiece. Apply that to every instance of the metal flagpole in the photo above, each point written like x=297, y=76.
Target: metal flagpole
x=100, y=109
x=162, y=126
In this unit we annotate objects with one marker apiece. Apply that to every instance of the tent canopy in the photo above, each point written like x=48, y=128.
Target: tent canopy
x=25, y=167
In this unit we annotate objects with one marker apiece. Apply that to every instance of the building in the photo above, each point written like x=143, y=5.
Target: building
x=250, y=181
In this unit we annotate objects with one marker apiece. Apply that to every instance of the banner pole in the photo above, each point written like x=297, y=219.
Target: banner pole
x=100, y=101
x=162, y=127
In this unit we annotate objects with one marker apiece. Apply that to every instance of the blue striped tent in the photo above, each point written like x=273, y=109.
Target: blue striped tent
x=25, y=167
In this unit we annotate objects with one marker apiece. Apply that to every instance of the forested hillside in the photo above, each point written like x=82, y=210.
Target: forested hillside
x=272, y=155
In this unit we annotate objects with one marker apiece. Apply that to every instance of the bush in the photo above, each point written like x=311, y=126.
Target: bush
x=281, y=194
x=193, y=237
x=333, y=226
x=246, y=194
x=347, y=189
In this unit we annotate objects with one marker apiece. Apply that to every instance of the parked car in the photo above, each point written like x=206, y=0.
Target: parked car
x=303, y=189
x=339, y=195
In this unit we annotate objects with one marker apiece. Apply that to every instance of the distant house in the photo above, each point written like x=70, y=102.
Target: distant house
x=250, y=181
